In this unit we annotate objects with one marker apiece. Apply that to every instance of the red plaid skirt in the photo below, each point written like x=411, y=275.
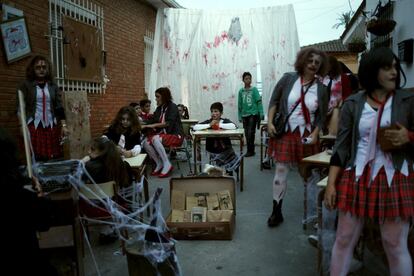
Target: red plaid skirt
x=168, y=140
x=378, y=201
x=289, y=148
x=45, y=142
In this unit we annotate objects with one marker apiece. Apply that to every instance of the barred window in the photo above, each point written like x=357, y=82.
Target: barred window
x=90, y=15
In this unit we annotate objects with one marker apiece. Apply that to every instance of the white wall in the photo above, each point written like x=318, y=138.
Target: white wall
x=403, y=13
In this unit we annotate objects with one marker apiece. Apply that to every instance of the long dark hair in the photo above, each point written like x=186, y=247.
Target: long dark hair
x=335, y=68
x=132, y=114
x=165, y=94
x=186, y=114
x=115, y=167
x=30, y=70
x=370, y=65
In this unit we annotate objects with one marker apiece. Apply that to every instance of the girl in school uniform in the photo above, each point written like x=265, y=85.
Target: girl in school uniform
x=166, y=122
x=367, y=180
x=304, y=97
x=339, y=88
x=103, y=164
x=124, y=131
x=45, y=116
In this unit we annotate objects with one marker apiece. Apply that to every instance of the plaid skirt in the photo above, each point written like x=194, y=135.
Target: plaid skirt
x=45, y=142
x=168, y=140
x=289, y=148
x=378, y=201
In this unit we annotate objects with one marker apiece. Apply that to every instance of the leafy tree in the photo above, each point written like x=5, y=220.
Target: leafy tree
x=343, y=19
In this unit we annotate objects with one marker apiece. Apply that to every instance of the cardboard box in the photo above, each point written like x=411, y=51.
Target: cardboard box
x=219, y=230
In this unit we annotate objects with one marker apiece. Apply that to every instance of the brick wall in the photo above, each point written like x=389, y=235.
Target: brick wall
x=125, y=22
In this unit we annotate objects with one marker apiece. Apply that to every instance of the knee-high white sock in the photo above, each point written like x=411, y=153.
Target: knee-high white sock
x=153, y=154
x=166, y=165
x=280, y=181
x=394, y=239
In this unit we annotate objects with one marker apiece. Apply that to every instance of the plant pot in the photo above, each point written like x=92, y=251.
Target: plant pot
x=356, y=47
x=380, y=27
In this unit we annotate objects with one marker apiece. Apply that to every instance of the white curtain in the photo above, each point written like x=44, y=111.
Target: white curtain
x=196, y=57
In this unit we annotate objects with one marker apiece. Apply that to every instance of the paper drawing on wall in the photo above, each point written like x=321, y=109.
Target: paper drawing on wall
x=15, y=39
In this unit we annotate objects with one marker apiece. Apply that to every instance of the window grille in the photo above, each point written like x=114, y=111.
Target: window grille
x=84, y=11
x=148, y=52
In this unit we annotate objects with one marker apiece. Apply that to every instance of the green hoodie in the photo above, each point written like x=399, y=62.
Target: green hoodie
x=250, y=102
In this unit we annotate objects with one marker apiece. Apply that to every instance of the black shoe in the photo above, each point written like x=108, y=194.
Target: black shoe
x=250, y=153
x=266, y=165
x=276, y=217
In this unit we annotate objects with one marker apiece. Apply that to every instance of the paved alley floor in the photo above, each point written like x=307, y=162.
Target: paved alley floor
x=255, y=249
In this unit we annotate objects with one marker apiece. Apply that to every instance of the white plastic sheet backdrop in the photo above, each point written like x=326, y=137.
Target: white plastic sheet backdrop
x=201, y=55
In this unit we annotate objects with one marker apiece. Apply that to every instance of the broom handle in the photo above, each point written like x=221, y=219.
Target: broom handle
x=22, y=116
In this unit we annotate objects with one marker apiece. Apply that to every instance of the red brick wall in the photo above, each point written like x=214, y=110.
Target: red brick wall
x=125, y=23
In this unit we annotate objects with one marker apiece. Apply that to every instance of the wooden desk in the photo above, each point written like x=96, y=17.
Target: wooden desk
x=327, y=137
x=323, y=183
x=263, y=135
x=139, y=166
x=187, y=124
x=327, y=141
x=319, y=160
x=67, y=221
x=189, y=121
x=237, y=134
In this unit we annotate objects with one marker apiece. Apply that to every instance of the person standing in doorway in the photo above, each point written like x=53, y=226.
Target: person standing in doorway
x=45, y=116
x=250, y=111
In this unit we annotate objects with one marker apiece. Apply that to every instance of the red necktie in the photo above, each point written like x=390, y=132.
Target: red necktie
x=44, y=105
x=305, y=110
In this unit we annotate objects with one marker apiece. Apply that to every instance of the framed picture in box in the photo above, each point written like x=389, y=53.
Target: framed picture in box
x=15, y=39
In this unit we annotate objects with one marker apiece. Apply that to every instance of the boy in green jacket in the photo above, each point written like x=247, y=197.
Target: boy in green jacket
x=250, y=111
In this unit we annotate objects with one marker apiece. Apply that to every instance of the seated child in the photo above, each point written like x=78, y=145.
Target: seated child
x=145, y=105
x=104, y=164
x=183, y=111
x=125, y=131
x=220, y=148
x=137, y=108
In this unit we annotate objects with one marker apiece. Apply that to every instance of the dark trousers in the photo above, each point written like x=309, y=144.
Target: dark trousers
x=249, y=125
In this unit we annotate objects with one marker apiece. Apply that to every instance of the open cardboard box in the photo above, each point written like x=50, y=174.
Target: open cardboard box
x=203, y=230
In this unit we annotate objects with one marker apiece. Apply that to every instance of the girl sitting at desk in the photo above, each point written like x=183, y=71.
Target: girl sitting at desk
x=124, y=131
x=104, y=164
x=166, y=123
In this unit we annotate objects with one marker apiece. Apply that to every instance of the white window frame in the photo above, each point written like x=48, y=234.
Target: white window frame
x=84, y=11
x=148, y=52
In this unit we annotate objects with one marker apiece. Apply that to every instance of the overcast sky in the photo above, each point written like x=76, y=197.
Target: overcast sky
x=314, y=18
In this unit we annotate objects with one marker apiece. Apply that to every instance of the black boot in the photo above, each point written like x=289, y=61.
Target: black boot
x=276, y=217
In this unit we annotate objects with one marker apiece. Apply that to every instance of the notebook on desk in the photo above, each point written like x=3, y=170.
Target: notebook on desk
x=54, y=176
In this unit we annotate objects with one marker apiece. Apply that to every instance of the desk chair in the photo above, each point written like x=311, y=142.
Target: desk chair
x=101, y=191
x=186, y=148
x=264, y=143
